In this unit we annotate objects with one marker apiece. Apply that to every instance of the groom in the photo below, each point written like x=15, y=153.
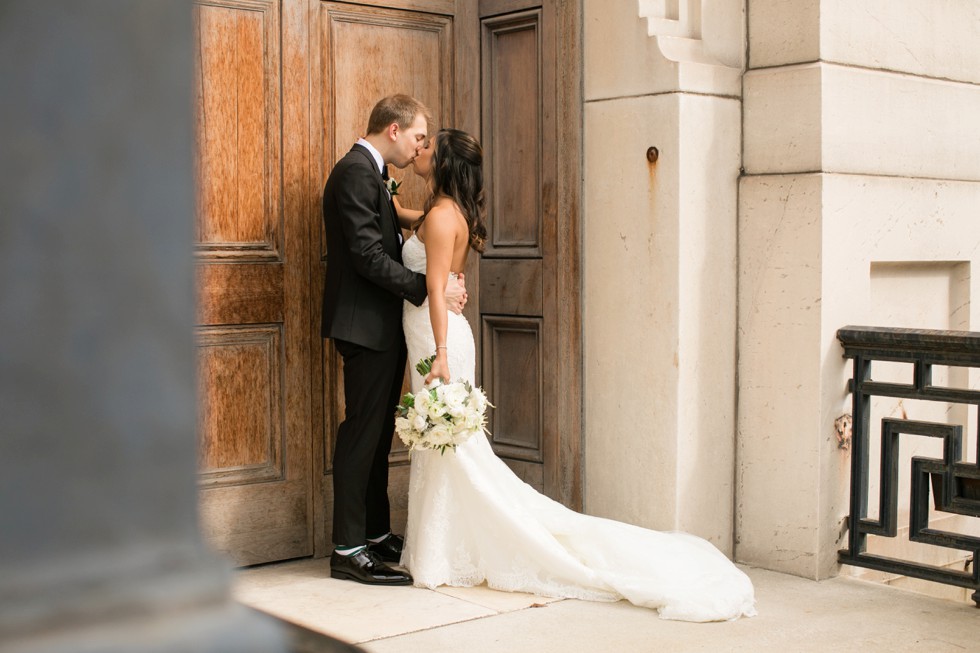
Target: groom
x=362, y=312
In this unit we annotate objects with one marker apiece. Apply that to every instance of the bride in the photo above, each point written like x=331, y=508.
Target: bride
x=470, y=519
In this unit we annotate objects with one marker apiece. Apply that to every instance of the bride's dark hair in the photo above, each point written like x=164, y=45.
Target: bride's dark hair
x=457, y=173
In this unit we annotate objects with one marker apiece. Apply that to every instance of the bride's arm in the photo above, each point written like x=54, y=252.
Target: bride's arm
x=440, y=237
x=406, y=217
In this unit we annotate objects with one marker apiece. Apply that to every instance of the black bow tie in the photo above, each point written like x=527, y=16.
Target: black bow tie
x=384, y=172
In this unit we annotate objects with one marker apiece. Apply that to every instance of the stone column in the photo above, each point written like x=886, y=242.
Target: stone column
x=99, y=548
x=659, y=261
x=858, y=206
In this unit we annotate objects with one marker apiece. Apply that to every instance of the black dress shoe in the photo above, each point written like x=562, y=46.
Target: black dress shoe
x=365, y=567
x=388, y=549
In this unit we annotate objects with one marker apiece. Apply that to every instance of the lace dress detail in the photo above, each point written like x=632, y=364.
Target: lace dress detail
x=472, y=520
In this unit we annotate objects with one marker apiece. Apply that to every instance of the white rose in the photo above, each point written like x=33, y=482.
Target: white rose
x=422, y=401
x=454, y=396
x=457, y=413
x=439, y=436
x=436, y=410
x=418, y=422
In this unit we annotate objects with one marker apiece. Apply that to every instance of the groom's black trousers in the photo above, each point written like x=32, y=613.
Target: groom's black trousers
x=372, y=388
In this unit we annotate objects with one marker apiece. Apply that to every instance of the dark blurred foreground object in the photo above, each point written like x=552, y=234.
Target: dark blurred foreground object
x=100, y=549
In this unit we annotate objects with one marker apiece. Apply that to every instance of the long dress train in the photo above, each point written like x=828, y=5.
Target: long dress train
x=471, y=519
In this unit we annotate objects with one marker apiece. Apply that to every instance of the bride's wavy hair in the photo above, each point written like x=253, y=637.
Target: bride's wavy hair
x=457, y=173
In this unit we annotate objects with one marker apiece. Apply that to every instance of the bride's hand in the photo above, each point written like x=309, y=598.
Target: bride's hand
x=440, y=369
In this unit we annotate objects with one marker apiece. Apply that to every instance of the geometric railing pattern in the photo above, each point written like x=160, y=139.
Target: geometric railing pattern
x=955, y=483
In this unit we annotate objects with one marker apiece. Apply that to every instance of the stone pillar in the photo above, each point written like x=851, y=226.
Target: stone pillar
x=858, y=206
x=99, y=548
x=659, y=262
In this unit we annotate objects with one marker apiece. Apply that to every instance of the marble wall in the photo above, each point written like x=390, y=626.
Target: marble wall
x=818, y=166
x=858, y=206
x=659, y=265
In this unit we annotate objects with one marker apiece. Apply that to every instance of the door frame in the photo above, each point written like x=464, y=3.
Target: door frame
x=563, y=479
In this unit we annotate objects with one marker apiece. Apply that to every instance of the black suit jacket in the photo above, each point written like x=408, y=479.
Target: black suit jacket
x=365, y=281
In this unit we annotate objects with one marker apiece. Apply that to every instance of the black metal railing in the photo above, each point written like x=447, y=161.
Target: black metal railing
x=955, y=482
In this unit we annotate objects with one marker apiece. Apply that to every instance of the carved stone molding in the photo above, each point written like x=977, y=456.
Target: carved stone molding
x=679, y=30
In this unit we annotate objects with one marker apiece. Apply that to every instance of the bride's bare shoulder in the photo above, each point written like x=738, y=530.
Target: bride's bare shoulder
x=446, y=214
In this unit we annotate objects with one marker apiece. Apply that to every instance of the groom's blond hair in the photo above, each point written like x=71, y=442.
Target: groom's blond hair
x=401, y=109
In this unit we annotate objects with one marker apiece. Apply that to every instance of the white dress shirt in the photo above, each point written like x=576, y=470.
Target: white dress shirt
x=376, y=154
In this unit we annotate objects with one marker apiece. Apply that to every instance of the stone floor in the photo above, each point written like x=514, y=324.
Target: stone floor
x=842, y=614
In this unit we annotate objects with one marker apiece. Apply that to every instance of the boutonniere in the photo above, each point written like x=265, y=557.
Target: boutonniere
x=392, y=186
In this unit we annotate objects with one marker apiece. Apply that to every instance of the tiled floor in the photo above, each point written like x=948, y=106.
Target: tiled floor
x=794, y=615
x=302, y=592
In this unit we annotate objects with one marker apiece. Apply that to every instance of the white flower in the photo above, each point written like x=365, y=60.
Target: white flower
x=406, y=433
x=418, y=422
x=436, y=410
x=439, y=436
x=473, y=421
x=478, y=400
x=453, y=394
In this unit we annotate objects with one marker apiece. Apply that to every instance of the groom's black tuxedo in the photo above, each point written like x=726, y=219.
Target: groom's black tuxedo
x=362, y=312
x=366, y=281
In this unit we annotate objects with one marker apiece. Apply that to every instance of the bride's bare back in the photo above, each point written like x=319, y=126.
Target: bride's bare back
x=445, y=234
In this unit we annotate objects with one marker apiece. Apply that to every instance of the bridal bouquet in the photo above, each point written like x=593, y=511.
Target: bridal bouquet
x=440, y=417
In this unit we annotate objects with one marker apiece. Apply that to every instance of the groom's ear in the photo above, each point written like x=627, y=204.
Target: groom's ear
x=392, y=131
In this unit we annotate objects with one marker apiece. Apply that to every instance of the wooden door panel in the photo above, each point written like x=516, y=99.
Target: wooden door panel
x=511, y=287
x=512, y=367
x=365, y=53
x=258, y=522
x=240, y=406
x=512, y=83
x=244, y=293
x=254, y=457
x=238, y=123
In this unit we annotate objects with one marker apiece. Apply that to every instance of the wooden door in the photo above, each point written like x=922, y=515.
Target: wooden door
x=284, y=88
x=528, y=279
x=362, y=52
x=252, y=241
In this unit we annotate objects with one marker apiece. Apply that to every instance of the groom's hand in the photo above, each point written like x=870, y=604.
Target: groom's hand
x=456, y=294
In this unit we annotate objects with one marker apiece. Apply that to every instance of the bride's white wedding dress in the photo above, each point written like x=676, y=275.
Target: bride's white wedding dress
x=470, y=520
